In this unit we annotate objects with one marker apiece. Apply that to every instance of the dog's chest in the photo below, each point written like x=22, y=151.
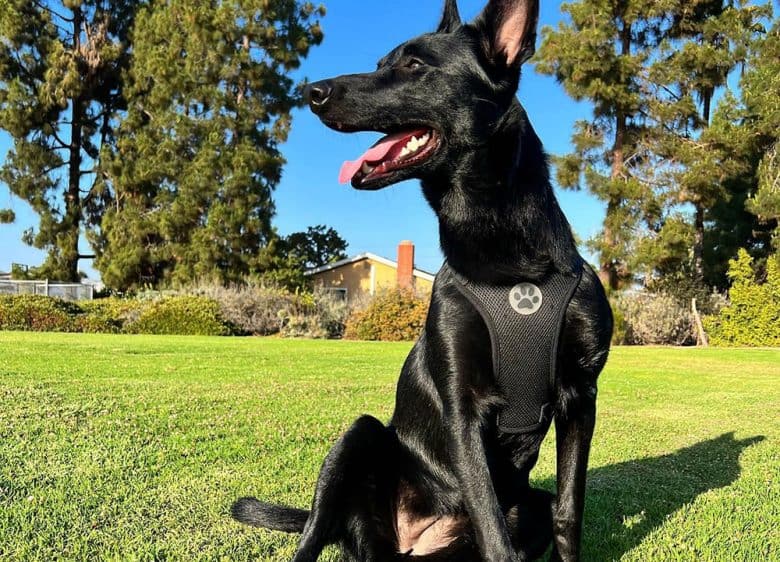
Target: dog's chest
x=525, y=320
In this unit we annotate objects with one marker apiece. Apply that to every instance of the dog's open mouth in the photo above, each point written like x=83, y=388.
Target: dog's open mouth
x=391, y=154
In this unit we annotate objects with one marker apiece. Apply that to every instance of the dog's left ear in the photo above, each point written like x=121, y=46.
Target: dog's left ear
x=450, y=21
x=508, y=28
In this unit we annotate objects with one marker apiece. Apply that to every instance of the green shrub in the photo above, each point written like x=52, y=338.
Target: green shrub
x=36, y=313
x=619, y=328
x=752, y=317
x=390, y=316
x=89, y=323
x=304, y=326
x=332, y=313
x=180, y=315
x=655, y=319
x=265, y=310
x=254, y=310
x=108, y=315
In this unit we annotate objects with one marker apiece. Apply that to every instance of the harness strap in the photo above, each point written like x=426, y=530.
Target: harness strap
x=525, y=320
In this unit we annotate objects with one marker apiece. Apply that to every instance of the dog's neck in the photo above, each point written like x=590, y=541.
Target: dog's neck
x=499, y=219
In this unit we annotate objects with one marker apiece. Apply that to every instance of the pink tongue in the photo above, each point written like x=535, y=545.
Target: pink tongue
x=374, y=154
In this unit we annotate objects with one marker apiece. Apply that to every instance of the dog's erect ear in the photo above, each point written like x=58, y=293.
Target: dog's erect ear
x=450, y=21
x=509, y=30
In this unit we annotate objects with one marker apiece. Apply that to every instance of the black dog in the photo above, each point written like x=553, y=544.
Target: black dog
x=444, y=480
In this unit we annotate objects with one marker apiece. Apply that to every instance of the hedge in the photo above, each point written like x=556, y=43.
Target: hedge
x=36, y=313
x=181, y=315
x=390, y=316
x=752, y=317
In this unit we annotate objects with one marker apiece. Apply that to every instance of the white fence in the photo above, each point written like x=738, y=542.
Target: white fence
x=67, y=291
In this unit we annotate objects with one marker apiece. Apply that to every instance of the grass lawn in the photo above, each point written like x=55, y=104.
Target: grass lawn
x=133, y=448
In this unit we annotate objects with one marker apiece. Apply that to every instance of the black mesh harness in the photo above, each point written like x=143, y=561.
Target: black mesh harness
x=525, y=320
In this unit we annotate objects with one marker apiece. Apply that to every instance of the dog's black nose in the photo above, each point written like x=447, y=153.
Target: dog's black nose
x=319, y=93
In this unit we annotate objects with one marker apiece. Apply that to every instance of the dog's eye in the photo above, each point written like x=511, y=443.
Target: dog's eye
x=414, y=64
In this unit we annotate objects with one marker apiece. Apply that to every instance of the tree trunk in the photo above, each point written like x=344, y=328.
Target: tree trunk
x=609, y=274
x=72, y=218
x=698, y=244
x=698, y=225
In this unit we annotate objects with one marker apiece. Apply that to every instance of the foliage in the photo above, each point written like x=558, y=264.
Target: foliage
x=752, y=317
x=257, y=310
x=316, y=247
x=37, y=313
x=683, y=286
x=315, y=315
x=600, y=55
x=655, y=319
x=303, y=326
x=108, y=315
x=693, y=149
x=192, y=174
x=45, y=314
x=619, y=328
x=206, y=309
x=21, y=272
x=180, y=315
x=673, y=171
x=761, y=98
x=389, y=316
x=332, y=311
x=60, y=93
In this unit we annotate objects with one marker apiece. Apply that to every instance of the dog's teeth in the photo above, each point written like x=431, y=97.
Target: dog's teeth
x=366, y=169
x=415, y=144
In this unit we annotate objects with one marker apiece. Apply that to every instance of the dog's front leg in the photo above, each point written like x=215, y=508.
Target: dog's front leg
x=479, y=495
x=573, y=437
x=460, y=356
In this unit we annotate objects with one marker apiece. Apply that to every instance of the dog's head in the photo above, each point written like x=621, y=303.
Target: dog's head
x=436, y=97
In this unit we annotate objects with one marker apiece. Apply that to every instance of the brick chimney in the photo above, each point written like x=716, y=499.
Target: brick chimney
x=406, y=265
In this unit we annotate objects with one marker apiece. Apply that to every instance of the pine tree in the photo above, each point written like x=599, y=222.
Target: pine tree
x=60, y=66
x=761, y=98
x=600, y=56
x=192, y=176
x=694, y=164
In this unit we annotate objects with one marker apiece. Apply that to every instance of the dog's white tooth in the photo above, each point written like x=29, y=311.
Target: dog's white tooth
x=405, y=152
x=366, y=169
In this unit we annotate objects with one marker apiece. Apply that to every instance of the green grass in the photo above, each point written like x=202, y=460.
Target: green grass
x=133, y=448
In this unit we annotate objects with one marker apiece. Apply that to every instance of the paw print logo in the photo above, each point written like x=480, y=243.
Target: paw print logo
x=525, y=298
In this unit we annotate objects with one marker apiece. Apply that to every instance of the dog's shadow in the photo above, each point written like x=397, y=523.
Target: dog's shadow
x=626, y=501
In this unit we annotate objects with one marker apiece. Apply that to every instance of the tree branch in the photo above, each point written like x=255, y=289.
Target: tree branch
x=42, y=6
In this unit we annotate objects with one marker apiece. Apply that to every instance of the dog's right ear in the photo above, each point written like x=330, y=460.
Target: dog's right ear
x=450, y=21
x=508, y=28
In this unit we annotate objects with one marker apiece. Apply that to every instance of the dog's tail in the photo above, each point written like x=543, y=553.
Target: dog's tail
x=269, y=516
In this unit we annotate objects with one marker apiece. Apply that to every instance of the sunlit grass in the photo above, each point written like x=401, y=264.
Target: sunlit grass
x=133, y=448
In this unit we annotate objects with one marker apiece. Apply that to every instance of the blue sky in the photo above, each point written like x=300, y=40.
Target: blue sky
x=357, y=34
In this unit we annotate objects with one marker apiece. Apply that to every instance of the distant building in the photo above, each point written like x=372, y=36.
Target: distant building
x=4, y=276
x=366, y=274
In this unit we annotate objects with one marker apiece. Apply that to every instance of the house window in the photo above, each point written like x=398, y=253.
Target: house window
x=337, y=294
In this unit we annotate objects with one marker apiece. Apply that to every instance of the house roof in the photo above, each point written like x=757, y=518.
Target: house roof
x=368, y=256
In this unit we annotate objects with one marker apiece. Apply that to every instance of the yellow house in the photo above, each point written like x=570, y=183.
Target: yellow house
x=366, y=274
